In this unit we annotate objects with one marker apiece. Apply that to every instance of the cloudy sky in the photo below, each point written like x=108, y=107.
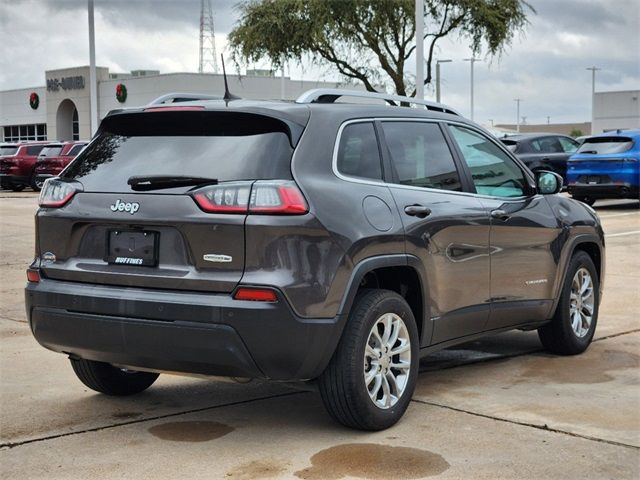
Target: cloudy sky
x=545, y=66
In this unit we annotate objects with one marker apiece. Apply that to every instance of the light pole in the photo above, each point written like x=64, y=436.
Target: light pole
x=472, y=60
x=593, y=69
x=420, y=49
x=93, y=88
x=517, y=100
x=438, y=62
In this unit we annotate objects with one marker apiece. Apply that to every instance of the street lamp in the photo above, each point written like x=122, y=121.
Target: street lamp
x=472, y=61
x=593, y=69
x=438, y=62
x=420, y=49
x=517, y=100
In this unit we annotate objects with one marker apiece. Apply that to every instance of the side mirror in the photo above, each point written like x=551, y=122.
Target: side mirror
x=548, y=182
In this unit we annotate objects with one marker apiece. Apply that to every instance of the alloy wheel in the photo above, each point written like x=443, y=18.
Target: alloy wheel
x=387, y=360
x=581, y=303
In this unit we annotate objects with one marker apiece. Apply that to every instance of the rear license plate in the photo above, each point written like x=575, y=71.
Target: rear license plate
x=132, y=247
x=593, y=180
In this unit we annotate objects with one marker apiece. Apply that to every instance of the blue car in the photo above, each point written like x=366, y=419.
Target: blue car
x=606, y=166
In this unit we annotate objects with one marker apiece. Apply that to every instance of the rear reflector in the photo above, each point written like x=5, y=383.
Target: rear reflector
x=255, y=294
x=33, y=276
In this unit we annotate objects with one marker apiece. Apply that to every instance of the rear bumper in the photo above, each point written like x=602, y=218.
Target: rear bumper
x=187, y=332
x=609, y=190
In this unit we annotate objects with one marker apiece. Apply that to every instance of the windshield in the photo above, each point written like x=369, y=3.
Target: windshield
x=50, y=151
x=605, y=145
x=247, y=148
x=8, y=150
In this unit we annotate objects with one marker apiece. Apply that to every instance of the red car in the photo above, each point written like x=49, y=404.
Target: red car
x=53, y=158
x=17, y=162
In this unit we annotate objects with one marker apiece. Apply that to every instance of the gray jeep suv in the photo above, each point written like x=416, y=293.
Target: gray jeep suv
x=313, y=240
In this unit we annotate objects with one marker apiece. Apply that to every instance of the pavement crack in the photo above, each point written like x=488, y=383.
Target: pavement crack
x=544, y=427
x=9, y=445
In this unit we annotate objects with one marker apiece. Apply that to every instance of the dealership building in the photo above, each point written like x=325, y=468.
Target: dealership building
x=60, y=110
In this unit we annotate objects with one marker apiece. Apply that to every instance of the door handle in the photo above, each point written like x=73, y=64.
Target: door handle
x=500, y=214
x=419, y=211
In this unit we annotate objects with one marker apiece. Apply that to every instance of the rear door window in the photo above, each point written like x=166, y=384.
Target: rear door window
x=223, y=146
x=546, y=145
x=421, y=156
x=34, y=149
x=51, y=151
x=358, y=153
x=605, y=145
x=494, y=173
x=75, y=150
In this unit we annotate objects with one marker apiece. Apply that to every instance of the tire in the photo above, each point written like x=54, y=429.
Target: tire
x=342, y=385
x=588, y=200
x=107, y=379
x=559, y=336
x=16, y=188
x=35, y=185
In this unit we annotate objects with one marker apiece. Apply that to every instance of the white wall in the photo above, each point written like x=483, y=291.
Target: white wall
x=142, y=90
x=15, y=109
x=613, y=110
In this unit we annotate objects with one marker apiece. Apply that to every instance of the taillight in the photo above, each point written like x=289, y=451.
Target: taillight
x=57, y=193
x=255, y=294
x=33, y=275
x=269, y=197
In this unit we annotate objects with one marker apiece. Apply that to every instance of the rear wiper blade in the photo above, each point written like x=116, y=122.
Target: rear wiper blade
x=589, y=151
x=158, y=182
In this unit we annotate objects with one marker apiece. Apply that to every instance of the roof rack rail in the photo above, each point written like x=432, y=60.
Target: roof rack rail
x=330, y=95
x=176, y=97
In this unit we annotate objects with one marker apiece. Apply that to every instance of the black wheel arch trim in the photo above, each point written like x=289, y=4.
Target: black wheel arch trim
x=381, y=261
x=567, y=252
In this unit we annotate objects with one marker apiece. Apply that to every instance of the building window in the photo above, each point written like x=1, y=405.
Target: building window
x=23, y=133
x=75, y=128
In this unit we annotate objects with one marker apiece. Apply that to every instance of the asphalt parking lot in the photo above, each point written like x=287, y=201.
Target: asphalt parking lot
x=496, y=408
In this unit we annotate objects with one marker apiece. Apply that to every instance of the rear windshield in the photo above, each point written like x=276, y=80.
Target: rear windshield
x=8, y=150
x=605, y=145
x=50, y=151
x=229, y=146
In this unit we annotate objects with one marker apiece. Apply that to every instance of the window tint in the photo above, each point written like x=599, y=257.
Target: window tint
x=358, y=153
x=51, y=150
x=34, y=149
x=547, y=145
x=606, y=145
x=75, y=150
x=420, y=155
x=224, y=146
x=8, y=150
x=568, y=145
x=493, y=172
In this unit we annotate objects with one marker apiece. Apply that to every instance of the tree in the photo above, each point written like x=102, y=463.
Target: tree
x=576, y=132
x=370, y=41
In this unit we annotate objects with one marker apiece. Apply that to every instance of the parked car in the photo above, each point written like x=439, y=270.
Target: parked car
x=606, y=166
x=299, y=241
x=53, y=158
x=17, y=162
x=542, y=151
